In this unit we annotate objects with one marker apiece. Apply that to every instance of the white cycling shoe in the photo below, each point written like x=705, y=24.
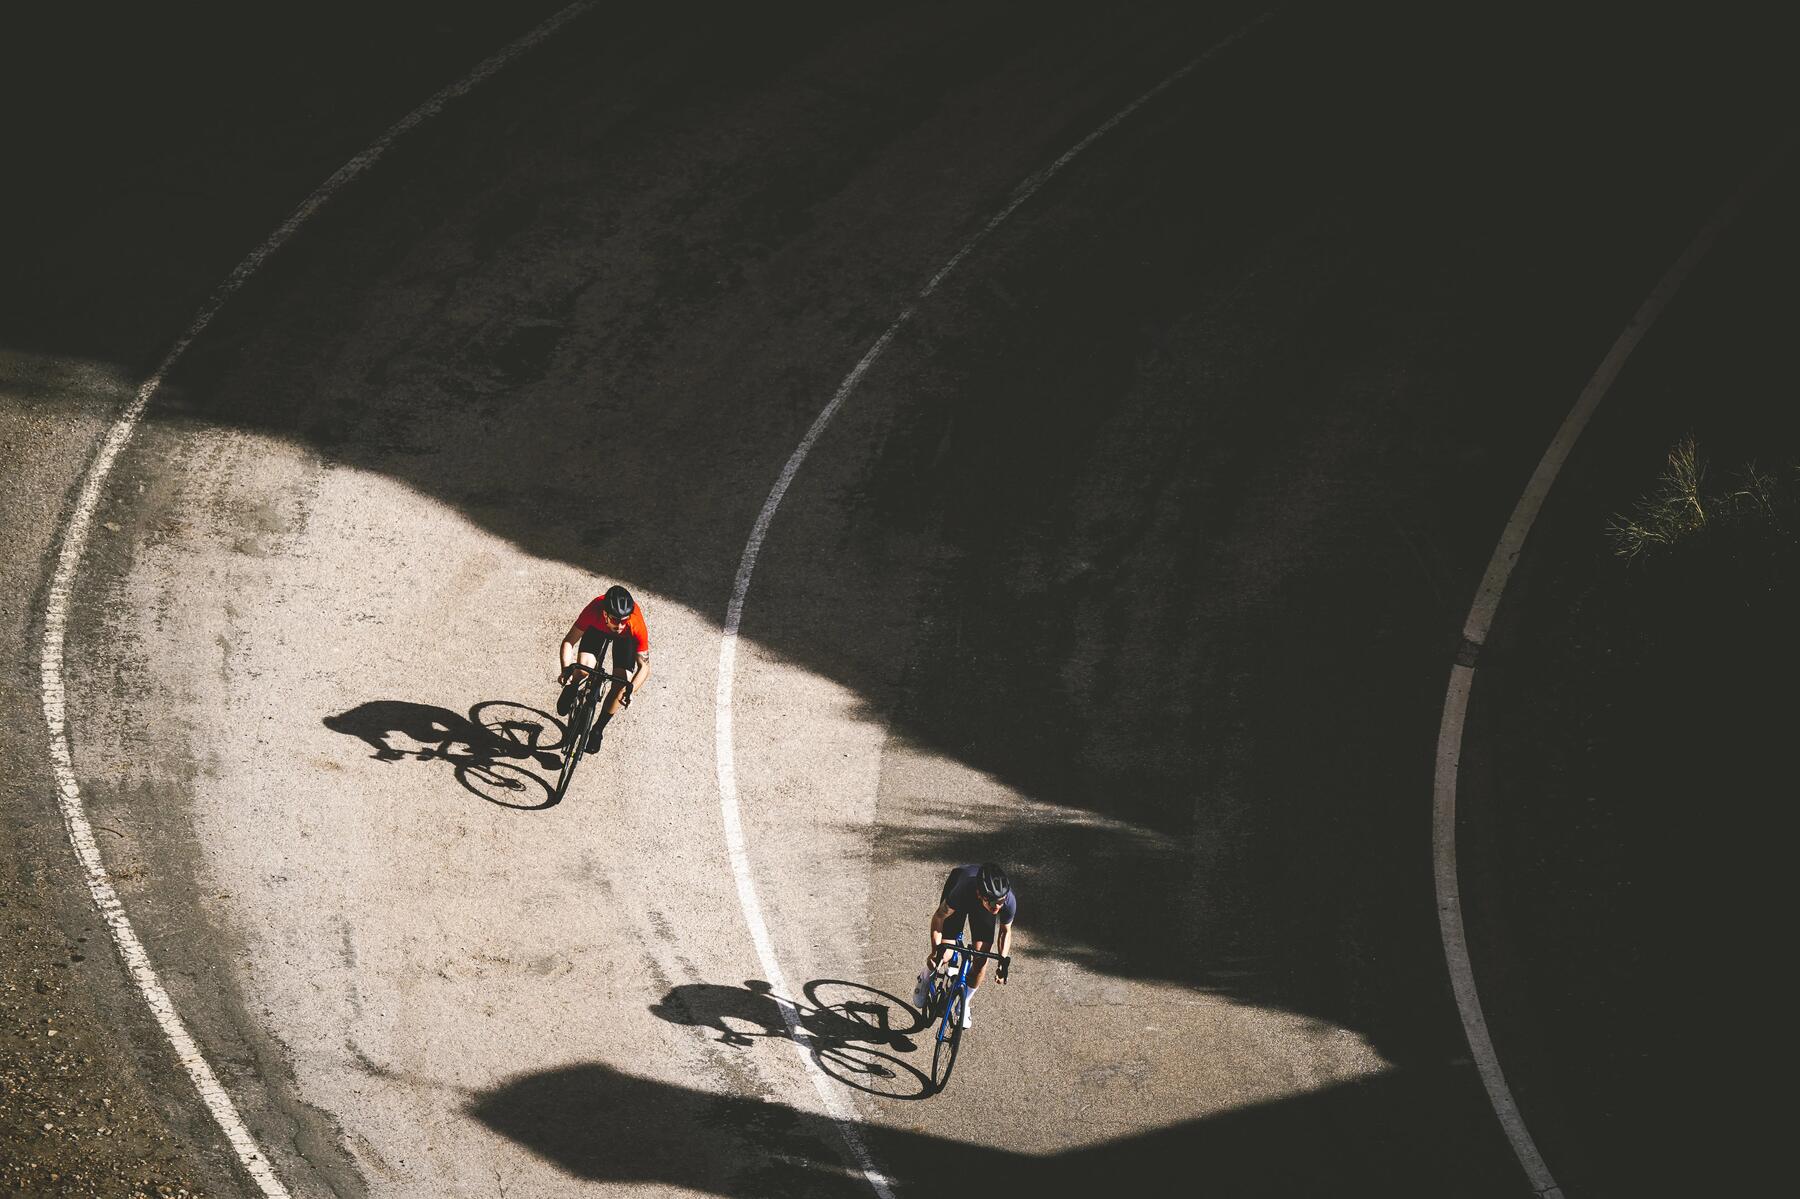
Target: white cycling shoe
x=963, y=1017
x=921, y=991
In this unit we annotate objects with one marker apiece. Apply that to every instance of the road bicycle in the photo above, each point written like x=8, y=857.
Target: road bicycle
x=589, y=690
x=946, y=991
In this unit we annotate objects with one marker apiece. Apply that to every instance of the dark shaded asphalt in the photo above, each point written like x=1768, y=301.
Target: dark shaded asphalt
x=1631, y=748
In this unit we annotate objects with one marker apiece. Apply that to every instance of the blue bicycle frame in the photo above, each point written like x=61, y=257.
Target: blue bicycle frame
x=957, y=983
x=950, y=990
x=956, y=978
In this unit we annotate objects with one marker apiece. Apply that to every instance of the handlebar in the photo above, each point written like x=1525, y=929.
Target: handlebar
x=594, y=672
x=1005, y=960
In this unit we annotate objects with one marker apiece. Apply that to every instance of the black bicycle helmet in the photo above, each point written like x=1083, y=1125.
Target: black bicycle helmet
x=618, y=602
x=992, y=882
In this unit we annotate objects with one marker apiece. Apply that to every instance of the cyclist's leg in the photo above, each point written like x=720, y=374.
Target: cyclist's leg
x=953, y=928
x=982, y=935
x=949, y=961
x=608, y=698
x=921, y=996
x=584, y=696
x=922, y=990
x=983, y=932
x=625, y=662
x=592, y=648
x=957, y=975
x=593, y=643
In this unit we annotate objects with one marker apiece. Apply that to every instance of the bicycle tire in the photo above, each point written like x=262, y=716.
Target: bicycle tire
x=943, y=1052
x=579, y=724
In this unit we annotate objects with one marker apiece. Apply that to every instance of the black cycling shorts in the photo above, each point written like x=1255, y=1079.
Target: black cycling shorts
x=625, y=655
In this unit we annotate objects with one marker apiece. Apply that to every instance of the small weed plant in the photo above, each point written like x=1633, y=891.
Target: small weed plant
x=1686, y=506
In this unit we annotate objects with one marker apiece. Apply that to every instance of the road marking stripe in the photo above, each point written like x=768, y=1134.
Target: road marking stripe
x=729, y=809
x=1462, y=675
x=68, y=564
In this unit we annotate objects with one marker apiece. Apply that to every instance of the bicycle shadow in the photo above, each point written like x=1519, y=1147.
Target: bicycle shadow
x=847, y=1027
x=488, y=748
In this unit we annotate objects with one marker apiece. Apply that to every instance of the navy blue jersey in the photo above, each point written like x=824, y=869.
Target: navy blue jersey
x=963, y=894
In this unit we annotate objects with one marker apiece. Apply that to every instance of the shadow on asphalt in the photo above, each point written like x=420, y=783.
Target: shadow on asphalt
x=489, y=749
x=849, y=1028
x=602, y=1125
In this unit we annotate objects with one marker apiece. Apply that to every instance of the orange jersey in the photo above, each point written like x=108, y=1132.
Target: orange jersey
x=594, y=617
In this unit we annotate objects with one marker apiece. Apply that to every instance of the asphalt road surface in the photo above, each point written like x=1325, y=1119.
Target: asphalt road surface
x=1136, y=561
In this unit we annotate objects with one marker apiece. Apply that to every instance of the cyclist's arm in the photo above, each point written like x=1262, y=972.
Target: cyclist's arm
x=642, y=672
x=571, y=646
x=1003, y=947
x=1002, y=938
x=937, y=930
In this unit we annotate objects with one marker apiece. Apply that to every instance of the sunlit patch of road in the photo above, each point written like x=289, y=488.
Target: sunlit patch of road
x=314, y=659
x=314, y=654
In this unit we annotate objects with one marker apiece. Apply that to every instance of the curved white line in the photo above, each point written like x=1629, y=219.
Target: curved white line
x=68, y=565
x=734, y=611
x=1462, y=675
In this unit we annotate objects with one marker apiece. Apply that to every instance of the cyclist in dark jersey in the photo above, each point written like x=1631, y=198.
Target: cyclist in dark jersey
x=980, y=898
x=613, y=619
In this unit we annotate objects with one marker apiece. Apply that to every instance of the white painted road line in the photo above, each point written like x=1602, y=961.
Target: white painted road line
x=1462, y=675
x=735, y=844
x=68, y=564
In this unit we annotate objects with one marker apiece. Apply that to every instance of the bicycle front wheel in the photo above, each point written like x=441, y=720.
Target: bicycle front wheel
x=943, y=1053
x=579, y=724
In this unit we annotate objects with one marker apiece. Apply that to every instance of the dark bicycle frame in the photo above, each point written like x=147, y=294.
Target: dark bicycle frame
x=590, y=688
x=949, y=985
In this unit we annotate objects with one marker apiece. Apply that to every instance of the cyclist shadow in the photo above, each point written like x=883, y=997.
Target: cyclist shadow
x=848, y=1027
x=491, y=749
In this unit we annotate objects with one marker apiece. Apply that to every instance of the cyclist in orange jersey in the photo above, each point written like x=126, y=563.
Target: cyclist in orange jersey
x=614, y=619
